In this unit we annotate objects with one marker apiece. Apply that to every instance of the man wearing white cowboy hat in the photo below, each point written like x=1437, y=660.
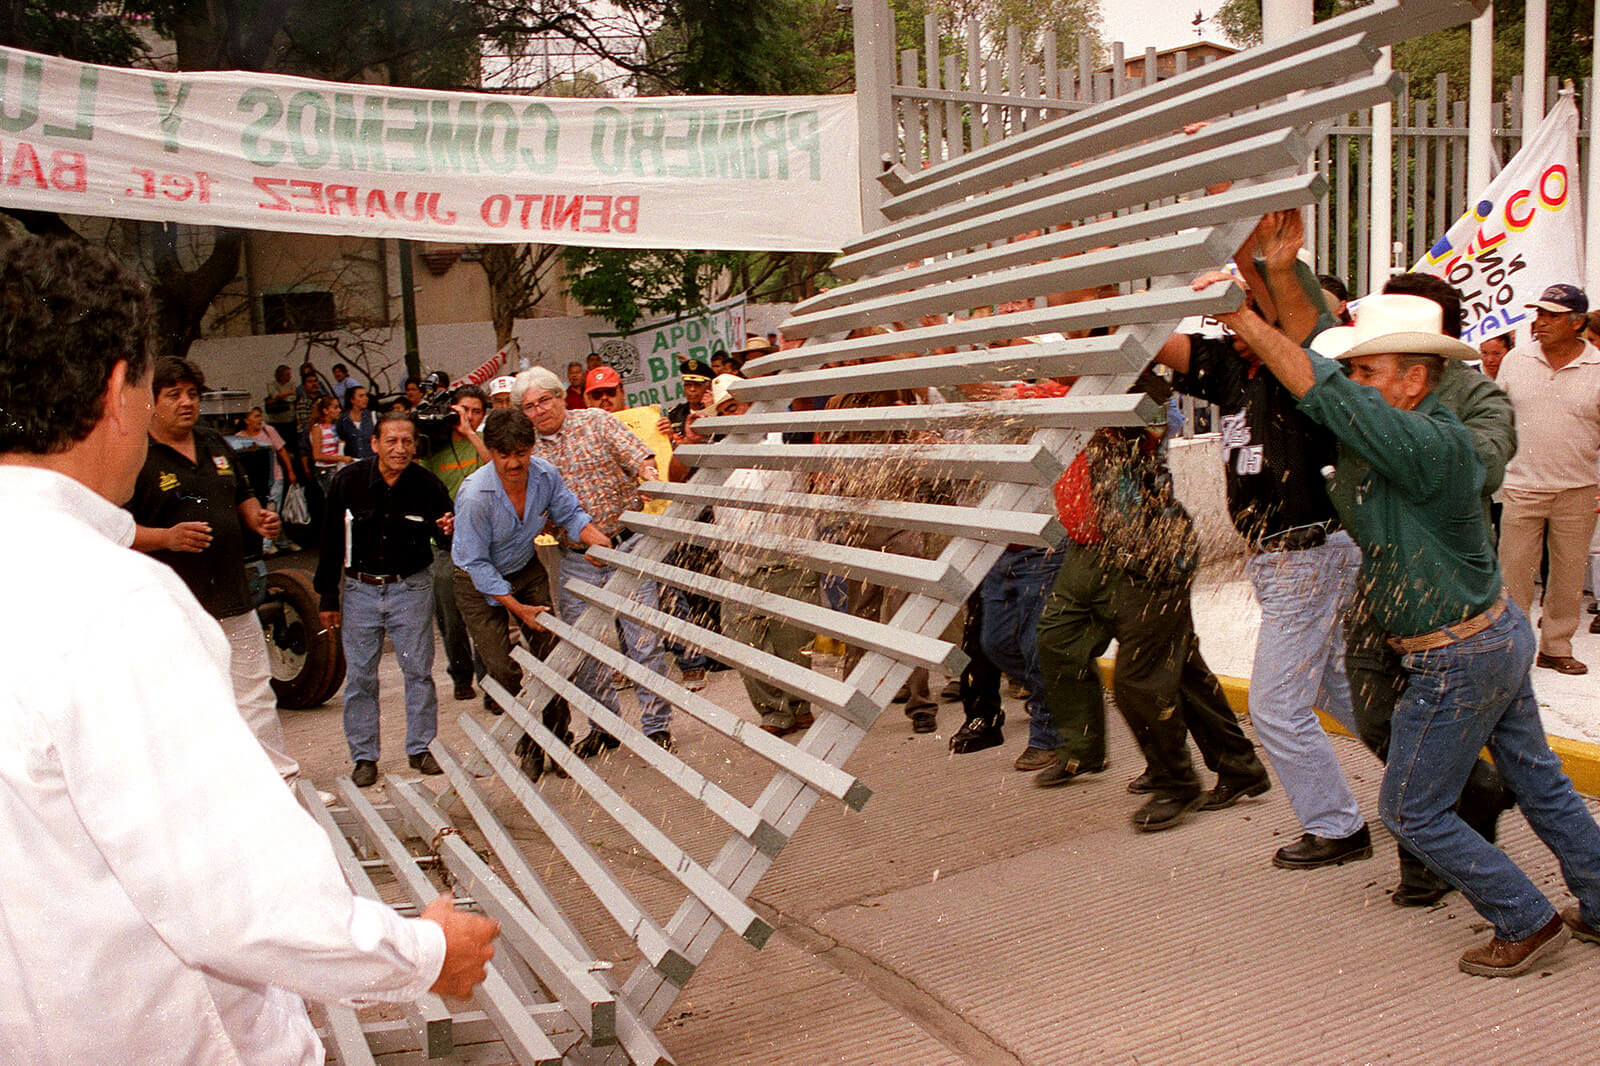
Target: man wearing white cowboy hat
x=1549, y=491
x=1435, y=584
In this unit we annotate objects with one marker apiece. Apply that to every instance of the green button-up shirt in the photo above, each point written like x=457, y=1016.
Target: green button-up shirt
x=1416, y=513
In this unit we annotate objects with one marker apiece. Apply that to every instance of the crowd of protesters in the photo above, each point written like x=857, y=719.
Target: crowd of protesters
x=1394, y=534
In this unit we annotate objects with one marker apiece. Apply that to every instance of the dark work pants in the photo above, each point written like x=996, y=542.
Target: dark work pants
x=980, y=681
x=1376, y=681
x=1158, y=668
x=1075, y=627
x=1165, y=691
x=488, y=624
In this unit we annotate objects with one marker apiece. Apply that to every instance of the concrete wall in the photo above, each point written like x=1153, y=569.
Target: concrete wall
x=247, y=362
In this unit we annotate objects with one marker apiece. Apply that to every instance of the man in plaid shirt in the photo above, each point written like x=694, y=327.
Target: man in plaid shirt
x=602, y=461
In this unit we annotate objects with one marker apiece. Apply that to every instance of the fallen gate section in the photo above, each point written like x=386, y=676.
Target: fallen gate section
x=1115, y=204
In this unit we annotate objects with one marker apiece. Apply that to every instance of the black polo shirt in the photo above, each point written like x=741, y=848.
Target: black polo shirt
x=1273, y=454
x=392, y=527
x=171, y=489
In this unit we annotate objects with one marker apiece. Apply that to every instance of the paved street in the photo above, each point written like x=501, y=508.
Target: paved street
x=964, y=916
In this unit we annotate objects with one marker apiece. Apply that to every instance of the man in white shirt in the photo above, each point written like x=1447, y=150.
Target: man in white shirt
x=1548, y=496
x=174, y=904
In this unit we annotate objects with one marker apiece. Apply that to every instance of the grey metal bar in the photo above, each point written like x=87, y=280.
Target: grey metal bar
x=861, y=632
x=730, y=910
x=824, y=692
x=1383, y=23
x=1315, y=68
x=348, y=1039
x=428, y=1016
x=654, y=944
x=1190, y=252
x=525, y=1040
x=1023, y=463
x=1068, y=412
x=1037, y=359
x=564, y=975
x=1165, y=305
x=738, y=816
x=959, y=227
x=811, y=771
x=1242, y=201
x=1025, y=525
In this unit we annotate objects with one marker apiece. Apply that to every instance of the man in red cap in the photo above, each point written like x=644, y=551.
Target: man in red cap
x=602, y=388
x=1549, y=491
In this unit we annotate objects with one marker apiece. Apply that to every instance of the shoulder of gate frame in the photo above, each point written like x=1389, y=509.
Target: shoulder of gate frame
x=1116, y=193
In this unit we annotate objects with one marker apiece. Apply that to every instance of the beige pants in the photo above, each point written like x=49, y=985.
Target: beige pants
x=252, y=689
x=1564, y=520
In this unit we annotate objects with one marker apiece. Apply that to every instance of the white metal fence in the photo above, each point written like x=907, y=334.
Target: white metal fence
x=948, y=101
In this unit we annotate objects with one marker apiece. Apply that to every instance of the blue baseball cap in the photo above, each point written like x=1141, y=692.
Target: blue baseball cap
x=1563, y=298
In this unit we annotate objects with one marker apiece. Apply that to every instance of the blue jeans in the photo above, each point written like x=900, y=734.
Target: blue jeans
x=640, y=644
x=1299, y=666
x=1013, y=595
x=1457, y=699
x=403, y=612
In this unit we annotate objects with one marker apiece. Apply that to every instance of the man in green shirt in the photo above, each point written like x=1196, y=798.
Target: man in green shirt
x=1434, y=583
x=452, y=462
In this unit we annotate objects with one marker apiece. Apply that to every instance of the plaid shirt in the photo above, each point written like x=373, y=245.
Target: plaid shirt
x=601, y=461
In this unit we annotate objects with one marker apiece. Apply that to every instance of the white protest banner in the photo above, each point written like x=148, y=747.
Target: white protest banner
x=647, y=358
x=1521, y=236
x=274, y=152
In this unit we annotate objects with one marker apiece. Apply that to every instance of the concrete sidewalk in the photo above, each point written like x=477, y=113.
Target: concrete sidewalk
x=965, y=916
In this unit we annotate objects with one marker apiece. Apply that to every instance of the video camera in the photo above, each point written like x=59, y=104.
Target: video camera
x=433, y=416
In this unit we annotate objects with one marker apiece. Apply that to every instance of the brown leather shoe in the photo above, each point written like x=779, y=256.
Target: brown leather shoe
x=1507, y=958
x=1561, y=664
x=1035, y=759
x=1581, y=929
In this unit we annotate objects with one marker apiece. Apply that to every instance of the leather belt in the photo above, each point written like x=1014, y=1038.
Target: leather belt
x=1445, y=636
x=1297, y=539
x=376, y=579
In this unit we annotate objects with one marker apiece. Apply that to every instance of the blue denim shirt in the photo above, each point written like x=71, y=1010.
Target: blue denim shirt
x=492, y=540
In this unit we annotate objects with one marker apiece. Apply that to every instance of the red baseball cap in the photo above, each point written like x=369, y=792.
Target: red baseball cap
x=602, y=377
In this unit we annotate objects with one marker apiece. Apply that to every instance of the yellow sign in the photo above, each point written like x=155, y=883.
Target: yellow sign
x=642, y=421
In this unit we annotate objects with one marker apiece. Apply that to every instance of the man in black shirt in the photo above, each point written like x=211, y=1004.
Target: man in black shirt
x=191, y=508
x=375, y=580
x=1302, y=564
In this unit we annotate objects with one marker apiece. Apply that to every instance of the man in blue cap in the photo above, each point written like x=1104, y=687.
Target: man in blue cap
x=1549, y=493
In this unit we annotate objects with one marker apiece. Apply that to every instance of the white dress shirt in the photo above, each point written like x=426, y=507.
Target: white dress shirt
x=163, y=898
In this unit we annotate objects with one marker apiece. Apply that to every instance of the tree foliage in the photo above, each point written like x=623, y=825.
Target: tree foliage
x=626, y=285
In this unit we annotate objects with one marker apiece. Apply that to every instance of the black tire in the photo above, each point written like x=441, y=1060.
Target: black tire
x=307, y=663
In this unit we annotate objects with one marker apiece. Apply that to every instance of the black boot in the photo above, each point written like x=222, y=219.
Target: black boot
x=978, y=732
x=1419, y=886
x=1483, y=799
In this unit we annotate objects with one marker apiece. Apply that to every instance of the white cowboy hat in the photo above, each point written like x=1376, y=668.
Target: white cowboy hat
x=1392, y=323
x=720, y=389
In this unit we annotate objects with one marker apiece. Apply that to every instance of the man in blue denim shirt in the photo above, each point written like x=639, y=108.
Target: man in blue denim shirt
x=1436, y=586
x=500, y=509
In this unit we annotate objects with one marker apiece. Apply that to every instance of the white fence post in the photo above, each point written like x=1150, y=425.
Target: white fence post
x=874, y=61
